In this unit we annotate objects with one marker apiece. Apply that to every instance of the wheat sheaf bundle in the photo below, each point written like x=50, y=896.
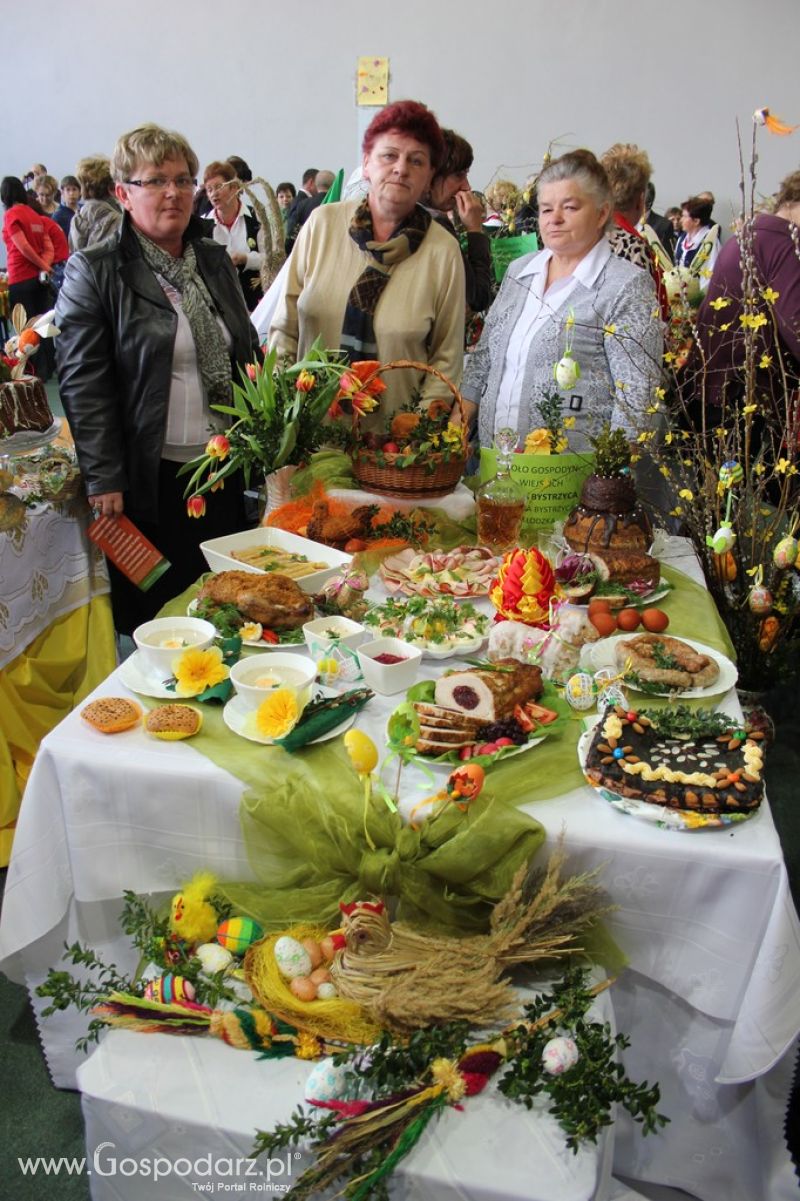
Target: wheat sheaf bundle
x=407, y=979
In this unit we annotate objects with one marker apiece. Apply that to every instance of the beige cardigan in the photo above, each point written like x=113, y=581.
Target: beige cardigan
x=420, y=315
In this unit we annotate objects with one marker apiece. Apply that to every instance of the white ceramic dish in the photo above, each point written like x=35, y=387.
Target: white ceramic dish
x=388, y=678
x=136, y=675
x=603, y=654
x=258, y=643
x=296, y=672
x=447, y=652
x=184, y=632
x=241, y=720
x=658, y=815
x=324, y=631
x=217, y=552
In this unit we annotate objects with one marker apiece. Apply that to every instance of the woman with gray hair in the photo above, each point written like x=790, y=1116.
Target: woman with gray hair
x=153, y=327
x=576, y=296
x=101, y=213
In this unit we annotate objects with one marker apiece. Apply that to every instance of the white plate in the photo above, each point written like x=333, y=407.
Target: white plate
x=437, y=652
x=256, y=643
x=217, y=552
x=241, y=718
x=136, y=675
x=657, y=815
x=431, y=761
x=603, y=654
x=664, y=588
x=26, y=440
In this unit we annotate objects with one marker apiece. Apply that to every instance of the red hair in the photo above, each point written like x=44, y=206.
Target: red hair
x=414, y=120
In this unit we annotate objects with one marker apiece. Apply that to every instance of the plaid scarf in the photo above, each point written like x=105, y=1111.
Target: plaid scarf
x=358, y=331
x=213, y=359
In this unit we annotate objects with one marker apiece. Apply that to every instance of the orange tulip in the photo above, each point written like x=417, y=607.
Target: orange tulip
x=196, y=506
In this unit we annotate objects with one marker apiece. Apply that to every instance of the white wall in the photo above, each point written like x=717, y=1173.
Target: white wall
x=274, y=82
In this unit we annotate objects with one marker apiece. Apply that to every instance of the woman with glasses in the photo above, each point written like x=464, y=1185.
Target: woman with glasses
x=153, y=328
x=235, y=227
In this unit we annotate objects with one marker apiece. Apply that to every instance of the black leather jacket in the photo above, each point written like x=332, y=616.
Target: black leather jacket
x=114, y=356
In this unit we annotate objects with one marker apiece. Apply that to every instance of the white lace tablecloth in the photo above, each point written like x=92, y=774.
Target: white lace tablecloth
x=48, y=568
x=705, y=918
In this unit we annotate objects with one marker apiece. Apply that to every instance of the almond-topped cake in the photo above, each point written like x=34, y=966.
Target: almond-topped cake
x=689, y=759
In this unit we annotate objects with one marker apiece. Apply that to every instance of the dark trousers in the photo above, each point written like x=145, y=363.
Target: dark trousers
x=36, y=298
x=178, y=537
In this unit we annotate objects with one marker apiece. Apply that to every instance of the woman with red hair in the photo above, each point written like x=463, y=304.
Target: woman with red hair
x=377, y=277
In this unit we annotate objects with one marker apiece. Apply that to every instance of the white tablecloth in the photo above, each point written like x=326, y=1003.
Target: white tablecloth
x=190, y=1098
x=705, y=918
x=47, y=569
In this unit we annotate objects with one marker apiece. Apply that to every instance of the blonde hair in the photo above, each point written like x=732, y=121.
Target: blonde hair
x=46, y=182
x=152, y=145
x=789, y=191
x=628, y=169
x=94, y=176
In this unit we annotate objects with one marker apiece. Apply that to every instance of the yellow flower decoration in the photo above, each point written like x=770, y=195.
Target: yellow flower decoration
x=759, y=469
x=668, y=438
x=570, y=321
x=447, y=1076
x=569, y=423
x=770, y=295
x=669, y=357
x=661, y=393
x=749, y=409
x=538, y=442
x=752, y=320
x=686, y=494
x=610, y=330
x=720, y=303
x=277, y=714
x=676, y=512
x=727, y=325
x=664, y=471
x=196, y=670
x=765, y=360
x=782, y=466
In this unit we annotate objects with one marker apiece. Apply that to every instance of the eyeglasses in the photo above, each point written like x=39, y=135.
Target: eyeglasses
x=212, y=188
x=158, y=183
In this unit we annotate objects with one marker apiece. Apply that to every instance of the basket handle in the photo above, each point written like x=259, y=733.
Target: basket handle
x=401, y=364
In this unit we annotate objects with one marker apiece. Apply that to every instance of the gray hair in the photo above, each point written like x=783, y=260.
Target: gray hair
x=152, y=145
x=584, y=168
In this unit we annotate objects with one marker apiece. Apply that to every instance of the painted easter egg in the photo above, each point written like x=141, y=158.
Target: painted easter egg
x=723, y=540
x=580, y=691
x=327, y=990
x=785, y=552
x=328, y=1081
x=292, y=958
x=559, y=1055
x=760, y=599
x=170, y=990
x=238, y=933
x=214, y=958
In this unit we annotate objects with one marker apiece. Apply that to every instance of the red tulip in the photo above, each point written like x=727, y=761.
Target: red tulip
x=196, y=506
x=218, y=447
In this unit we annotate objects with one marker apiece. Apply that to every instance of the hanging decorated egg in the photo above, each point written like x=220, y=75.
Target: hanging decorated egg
x=731, y=473
x=760, y=599
x=238, y=933
x=559, y=1055
x=723, y=540
x=291, y=957
x=785, y=552
x=214, y=958
x=523, y=587
x=170, y=990
x=580, y=691
x=567, y=372
x=767, y=633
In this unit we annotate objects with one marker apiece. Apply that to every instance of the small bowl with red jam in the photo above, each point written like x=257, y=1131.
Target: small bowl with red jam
x=389, y=665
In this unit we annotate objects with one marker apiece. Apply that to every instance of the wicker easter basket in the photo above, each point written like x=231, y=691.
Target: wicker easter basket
x=377, y=471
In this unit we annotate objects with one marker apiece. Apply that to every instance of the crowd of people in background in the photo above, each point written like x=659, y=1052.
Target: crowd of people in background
x=155, y=269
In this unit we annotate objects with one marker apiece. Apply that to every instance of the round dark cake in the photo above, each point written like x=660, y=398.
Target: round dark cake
x=608, y=517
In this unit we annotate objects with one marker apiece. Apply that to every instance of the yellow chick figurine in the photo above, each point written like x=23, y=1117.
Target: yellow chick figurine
x=192, y=919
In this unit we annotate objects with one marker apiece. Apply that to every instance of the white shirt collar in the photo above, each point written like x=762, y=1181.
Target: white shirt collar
x=586, y=271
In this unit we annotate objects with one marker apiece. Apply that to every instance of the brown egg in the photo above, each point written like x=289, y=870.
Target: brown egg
x=327, y=948
x=604, y=623
x=628, y=620
x=314, y=951
x=320, y=975
x=655, y=620
x=600, y=604
x=304, y=988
